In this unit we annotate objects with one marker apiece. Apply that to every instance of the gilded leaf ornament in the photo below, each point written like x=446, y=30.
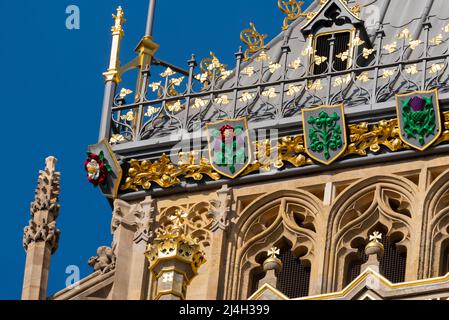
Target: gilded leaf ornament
x=292, y=10
x=253, y=40
x=363, y=138
x=385, y=133
x=165, y=173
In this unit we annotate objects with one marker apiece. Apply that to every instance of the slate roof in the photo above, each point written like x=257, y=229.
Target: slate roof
x=274, y=99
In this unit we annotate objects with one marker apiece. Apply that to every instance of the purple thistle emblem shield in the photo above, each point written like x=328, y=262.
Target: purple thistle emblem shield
x=419, y=118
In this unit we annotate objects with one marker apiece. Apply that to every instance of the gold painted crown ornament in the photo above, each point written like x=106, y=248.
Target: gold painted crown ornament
x=172, y=243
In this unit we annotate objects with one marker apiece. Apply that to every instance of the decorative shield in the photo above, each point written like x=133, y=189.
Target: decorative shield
x=103, y=169
x=419, y=118
x=229, y=146
x=325, y=133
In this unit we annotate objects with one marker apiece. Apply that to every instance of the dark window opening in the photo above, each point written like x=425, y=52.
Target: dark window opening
x=445, y=261
x=354, y=266
x=294, y=278
x=256, y=276
x=322, y=47
x=392, y=264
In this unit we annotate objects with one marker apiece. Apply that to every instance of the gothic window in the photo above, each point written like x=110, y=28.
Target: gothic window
x=322, y=49
x=294, y=278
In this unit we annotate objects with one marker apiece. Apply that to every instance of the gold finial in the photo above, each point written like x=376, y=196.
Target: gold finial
x=119, y=19
x=273, y=262
x=253, y=40
x=374, y=246
x=117, y=34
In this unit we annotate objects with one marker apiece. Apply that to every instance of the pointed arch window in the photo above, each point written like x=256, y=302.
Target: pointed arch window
x=294, y=278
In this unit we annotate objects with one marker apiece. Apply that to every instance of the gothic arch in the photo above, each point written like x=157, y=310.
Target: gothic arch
x=291, y=216
x=386, y=201
x=436, y=226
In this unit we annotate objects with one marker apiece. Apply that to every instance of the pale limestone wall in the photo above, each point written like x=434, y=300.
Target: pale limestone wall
x=416, y=176
x=235, y=225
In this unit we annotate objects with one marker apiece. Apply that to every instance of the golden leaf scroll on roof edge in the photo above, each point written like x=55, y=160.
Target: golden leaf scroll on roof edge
x=253, y=40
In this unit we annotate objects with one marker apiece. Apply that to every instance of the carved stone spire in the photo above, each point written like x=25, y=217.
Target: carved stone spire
x=41, y=237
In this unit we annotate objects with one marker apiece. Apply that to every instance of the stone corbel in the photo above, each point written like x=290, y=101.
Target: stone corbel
x=139, y=217
x=222, y=209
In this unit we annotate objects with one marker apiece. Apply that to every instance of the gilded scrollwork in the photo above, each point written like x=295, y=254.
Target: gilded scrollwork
x=289, y=150
x=165, y=173
x=364, y=138
x=253, y=40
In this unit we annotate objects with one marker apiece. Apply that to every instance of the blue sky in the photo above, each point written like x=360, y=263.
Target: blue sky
x=53, y=90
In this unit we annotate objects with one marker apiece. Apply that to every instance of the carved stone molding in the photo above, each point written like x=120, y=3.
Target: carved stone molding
x=35, y=232
x=204, y=217
x=285, y=217
x=104, y=261
x=139, y=216
x=221, y=209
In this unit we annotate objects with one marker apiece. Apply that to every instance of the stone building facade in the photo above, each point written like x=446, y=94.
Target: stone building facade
x=361, y=215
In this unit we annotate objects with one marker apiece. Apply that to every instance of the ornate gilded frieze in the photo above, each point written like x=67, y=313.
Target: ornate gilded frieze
x=165, y=173
x=291, y=150
x=363, y=138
